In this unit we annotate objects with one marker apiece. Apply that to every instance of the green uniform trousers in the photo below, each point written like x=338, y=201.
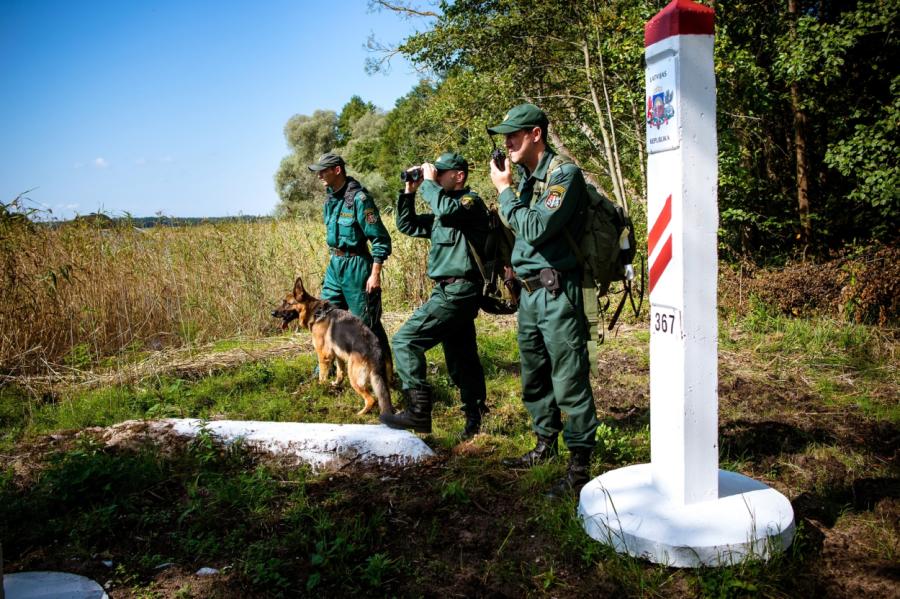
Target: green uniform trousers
x=345, y=287
x=553, y=335
x=448, y=318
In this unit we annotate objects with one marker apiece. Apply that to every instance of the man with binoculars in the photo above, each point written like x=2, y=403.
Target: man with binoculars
x=458, y=222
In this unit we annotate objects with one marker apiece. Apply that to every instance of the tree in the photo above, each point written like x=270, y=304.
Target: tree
x=308, y=137
x=804, y=113
x=352, y=111
x=807, y=104
x=578, y=59
x=355, y=132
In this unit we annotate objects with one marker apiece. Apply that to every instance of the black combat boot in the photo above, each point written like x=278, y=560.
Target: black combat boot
x=577, y=474
x=416, y=416
x=545, y=449
x=473, y=420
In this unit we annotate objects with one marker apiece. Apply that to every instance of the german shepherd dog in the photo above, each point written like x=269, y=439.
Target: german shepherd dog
x=340, y=337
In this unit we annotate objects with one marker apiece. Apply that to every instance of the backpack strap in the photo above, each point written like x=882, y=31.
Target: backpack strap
x=477, y=260
x=594, y=294
x=541, y=186
x=557, y=161
x=350, y=192
x=474, y=252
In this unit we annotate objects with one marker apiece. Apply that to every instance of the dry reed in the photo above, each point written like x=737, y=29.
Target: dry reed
x=75, y=294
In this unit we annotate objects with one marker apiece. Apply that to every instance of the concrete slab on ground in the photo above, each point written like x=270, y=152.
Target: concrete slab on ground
x=321, y=445
x=624, y=509
x=50, y=585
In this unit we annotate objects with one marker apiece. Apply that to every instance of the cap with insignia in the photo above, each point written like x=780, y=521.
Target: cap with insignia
x=328, y=160
x=451, y=161
x=523, y=116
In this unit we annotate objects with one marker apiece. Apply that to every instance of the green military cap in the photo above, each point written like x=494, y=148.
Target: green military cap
x=451, y=161
x=523, y=116
x=327, y=160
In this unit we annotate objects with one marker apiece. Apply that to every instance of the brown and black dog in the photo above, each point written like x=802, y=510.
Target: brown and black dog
x=340, y=337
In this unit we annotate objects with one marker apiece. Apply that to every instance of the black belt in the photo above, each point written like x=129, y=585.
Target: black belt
x=531, y=284
x=343, y=253
x=449, y=280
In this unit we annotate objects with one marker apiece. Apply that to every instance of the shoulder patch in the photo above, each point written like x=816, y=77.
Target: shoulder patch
x=467, y=201
x=371, y=217
x=554, y=197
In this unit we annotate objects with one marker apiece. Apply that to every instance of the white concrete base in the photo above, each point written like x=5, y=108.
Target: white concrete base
x=322, y=446
x=51, y=585
x=623, y=508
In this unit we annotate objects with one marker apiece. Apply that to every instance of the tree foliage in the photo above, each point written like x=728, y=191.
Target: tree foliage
x=308, y=137
x=807, y=95
x=356, y=133
x=838, y=59
x=353, y=110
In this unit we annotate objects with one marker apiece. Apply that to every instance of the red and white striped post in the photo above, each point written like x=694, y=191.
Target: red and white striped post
x=683, y=220
x=681, y=509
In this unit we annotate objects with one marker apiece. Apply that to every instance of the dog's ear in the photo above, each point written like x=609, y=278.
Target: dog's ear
x=299, y=291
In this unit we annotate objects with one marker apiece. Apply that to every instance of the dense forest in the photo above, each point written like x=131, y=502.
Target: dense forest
x=808, y=107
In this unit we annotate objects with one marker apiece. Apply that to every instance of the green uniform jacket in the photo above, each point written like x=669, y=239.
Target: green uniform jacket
x=351, y=219
x=456, y=216
x=538, y=221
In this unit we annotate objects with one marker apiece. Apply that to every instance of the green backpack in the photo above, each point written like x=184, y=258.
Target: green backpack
x=605, y=250
x=494, y=262
x=607, y=244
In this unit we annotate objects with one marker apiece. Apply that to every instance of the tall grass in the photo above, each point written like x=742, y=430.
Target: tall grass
x=76, y=293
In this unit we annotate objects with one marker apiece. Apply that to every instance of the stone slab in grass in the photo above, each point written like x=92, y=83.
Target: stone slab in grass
x=322, y=446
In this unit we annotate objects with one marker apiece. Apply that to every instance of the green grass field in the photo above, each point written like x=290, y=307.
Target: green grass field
x=807, y=406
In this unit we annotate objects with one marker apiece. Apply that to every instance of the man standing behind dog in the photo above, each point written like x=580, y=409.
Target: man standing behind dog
x=458, y=217
x=553, y=330
x=353, y=276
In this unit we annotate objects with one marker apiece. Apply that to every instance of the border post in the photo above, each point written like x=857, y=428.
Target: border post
x=680, y=509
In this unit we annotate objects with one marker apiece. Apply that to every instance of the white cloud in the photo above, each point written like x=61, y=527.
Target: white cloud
x=166, y=159
x=100, y=163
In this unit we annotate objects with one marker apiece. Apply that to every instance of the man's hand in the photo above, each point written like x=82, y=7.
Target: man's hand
x=412, y=186
x=501, y=178
x=374, y=280
x=429, y=171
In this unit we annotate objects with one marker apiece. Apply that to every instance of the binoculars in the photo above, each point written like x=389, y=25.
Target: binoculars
x=413, y=174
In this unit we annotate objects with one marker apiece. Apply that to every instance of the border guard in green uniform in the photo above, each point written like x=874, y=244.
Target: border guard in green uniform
x=458, y=222
x=553, y=331
x=353, y=276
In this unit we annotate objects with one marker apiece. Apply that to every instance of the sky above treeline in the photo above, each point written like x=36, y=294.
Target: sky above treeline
x=174, y=107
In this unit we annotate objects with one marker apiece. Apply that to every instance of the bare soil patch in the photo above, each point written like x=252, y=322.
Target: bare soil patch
x=861, y=287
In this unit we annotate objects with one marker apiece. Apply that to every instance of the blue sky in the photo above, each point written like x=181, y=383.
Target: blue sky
x=174, y=107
